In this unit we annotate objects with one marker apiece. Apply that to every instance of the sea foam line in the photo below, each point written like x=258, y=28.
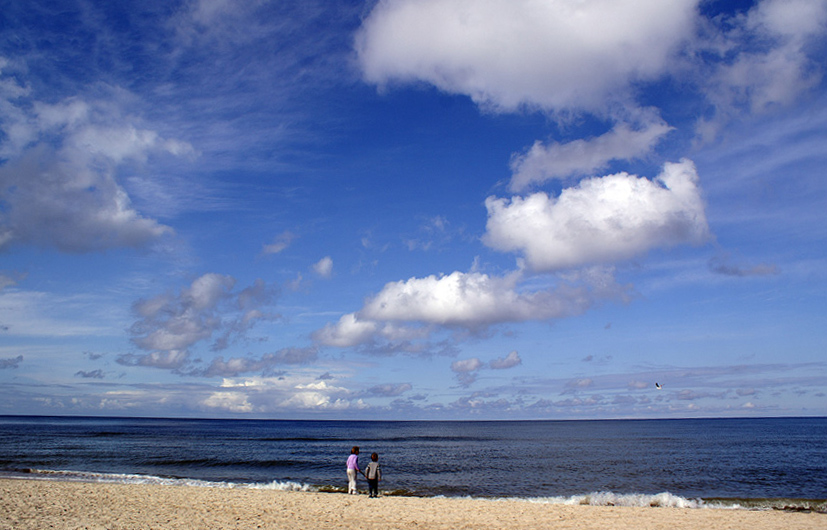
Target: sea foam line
x=669, y=500
x=126, y=478
x=635, y=500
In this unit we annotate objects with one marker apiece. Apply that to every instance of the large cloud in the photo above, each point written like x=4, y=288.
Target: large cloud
x=59, y=200
x=579, y=55
x=469, y=300
x=506, y=53
x=602, y=220
x=58, y=186
x=567, y=57
x=405, y=313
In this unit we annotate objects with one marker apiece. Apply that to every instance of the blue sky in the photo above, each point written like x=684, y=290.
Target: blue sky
x=430, y=209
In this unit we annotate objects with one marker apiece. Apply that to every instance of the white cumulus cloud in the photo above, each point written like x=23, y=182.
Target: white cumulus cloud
x=470, y=299
x=348, y=331
x=507, y=53
x=567, y=57
x=405, y=314
x=601, y=220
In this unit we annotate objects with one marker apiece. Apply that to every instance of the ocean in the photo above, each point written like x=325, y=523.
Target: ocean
x=778, y=463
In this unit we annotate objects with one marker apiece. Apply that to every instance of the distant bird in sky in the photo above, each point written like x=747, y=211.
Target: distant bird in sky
x=657, y=385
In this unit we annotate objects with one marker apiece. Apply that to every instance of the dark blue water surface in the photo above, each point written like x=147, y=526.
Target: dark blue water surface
x=746, y=459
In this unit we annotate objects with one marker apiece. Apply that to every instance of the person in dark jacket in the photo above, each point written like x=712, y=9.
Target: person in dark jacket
x=373, y=474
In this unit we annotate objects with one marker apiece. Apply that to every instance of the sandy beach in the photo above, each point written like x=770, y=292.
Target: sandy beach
x=35, y=504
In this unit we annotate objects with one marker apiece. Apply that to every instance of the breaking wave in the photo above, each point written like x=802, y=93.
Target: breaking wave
x=668, y=500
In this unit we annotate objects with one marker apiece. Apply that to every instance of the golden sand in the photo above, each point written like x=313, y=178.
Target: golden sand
x=38, y=504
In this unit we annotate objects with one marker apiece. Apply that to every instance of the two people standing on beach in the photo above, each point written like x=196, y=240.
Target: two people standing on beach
x=372, y=473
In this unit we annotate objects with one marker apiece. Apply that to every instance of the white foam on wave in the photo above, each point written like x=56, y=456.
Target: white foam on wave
x=669, y=500
x=124, y=478
x=638, y=500
x=283, y=486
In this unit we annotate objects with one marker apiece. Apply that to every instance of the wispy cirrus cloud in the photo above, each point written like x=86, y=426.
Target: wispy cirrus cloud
x=26, y=313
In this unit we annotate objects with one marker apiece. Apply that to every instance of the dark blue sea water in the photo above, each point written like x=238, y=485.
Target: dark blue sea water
x=703, y=462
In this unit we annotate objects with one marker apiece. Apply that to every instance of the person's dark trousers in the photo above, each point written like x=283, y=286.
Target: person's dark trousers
x=373, y=487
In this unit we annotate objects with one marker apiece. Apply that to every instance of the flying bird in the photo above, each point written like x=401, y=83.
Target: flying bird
x=657, y=385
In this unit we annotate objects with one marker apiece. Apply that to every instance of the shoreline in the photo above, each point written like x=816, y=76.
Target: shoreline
x=28, y=504
x=596, y=498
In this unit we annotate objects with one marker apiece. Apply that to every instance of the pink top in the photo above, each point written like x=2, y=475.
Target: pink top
x=353, y=462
